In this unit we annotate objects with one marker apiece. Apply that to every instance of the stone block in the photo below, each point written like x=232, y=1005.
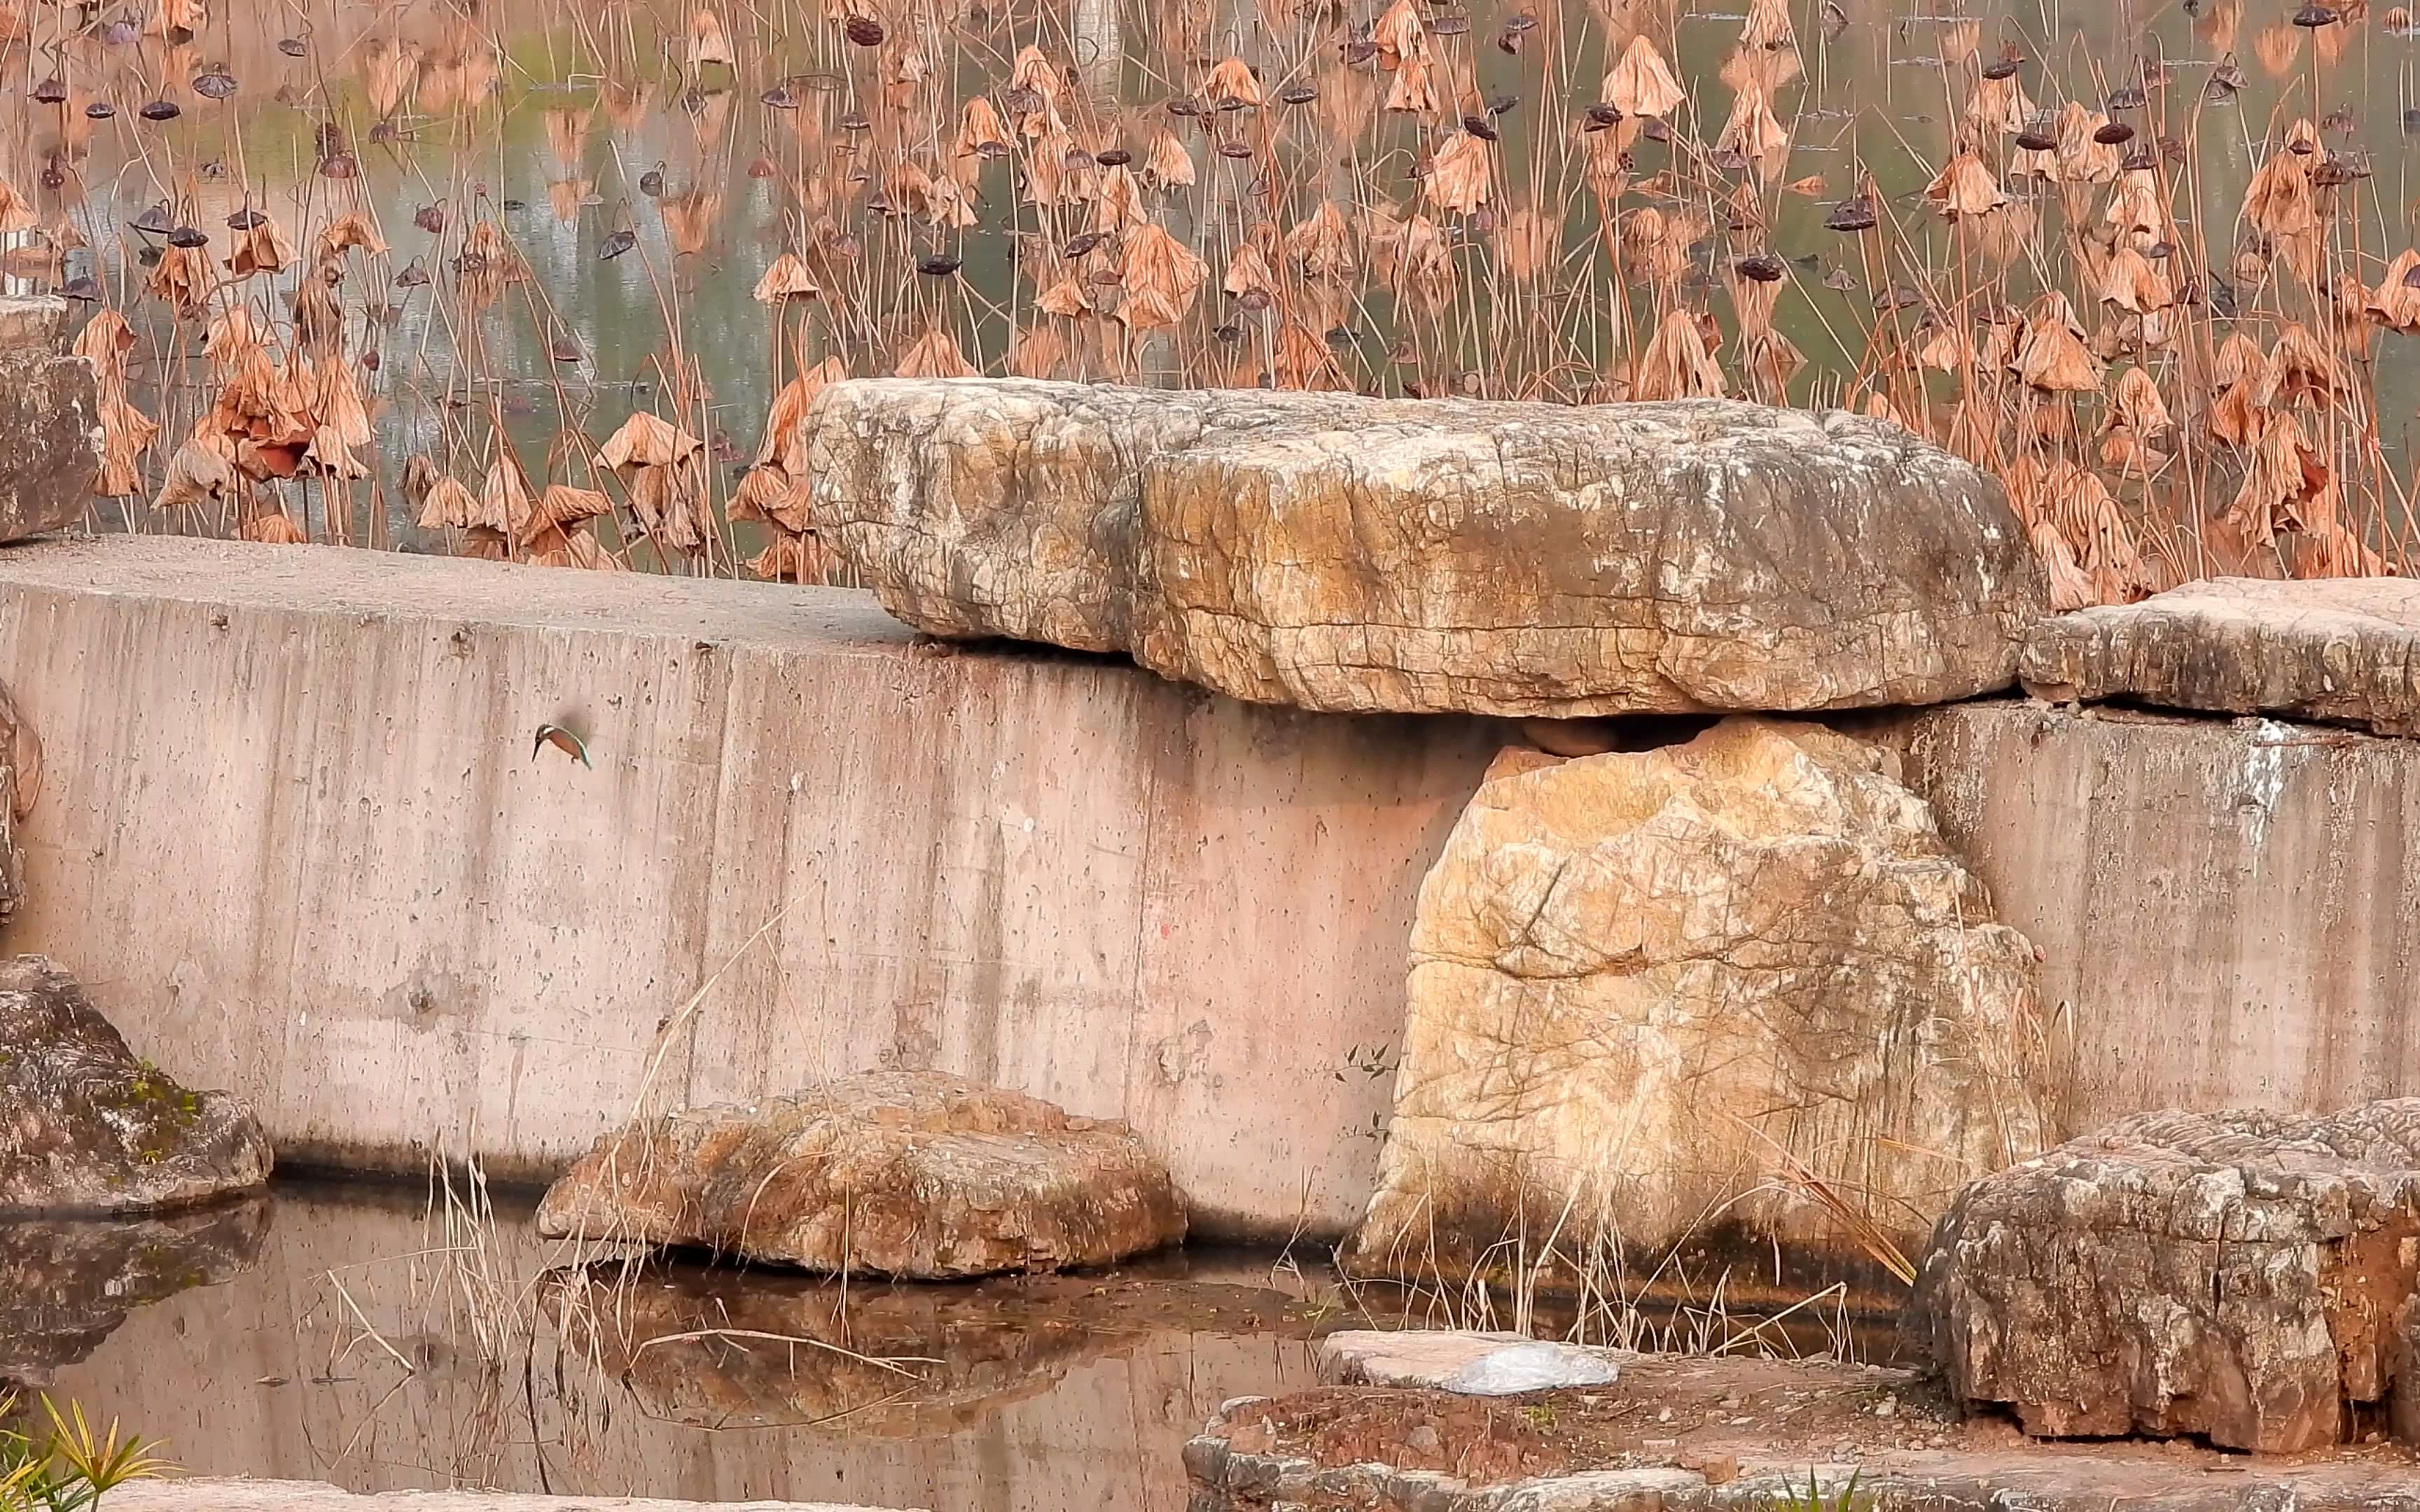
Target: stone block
x=1349, y=554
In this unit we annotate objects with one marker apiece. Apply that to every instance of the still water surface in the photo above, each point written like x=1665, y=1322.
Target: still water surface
x=350, y=1335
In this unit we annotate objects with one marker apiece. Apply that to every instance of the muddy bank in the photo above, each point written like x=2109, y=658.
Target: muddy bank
x=1726, y=1433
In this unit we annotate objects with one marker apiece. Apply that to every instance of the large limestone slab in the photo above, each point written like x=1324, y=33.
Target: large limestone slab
x=50, y=410
x=67, y=1283
x=2236, y=1276
x=2343, y=650
x=916, y=1174
x=1643, y=985
x=86, y=1127
x=1343, y=553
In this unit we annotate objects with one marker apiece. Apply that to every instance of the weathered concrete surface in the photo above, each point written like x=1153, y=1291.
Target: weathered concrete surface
x=2227, y=912
x=86, y=1128
x=2344, y=649
x=2240, y=1277
x=292, y=832
x=19, y=753
x=1649, y=990
x=224, y=1495
x=294, y=829
x=50, y=410
x=1342, y=553
x=901, y=1173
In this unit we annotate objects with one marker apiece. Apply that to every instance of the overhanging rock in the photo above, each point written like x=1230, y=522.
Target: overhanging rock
x=1350, y=554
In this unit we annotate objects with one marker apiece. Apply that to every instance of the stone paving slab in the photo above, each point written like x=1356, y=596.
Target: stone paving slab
x=1460, y=1360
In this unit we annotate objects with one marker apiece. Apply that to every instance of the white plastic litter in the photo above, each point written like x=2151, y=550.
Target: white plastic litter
x=1532, y=1366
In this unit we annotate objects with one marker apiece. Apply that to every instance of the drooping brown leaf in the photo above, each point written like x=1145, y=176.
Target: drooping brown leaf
x=708, y=43
x=1964, y=187
x=1457, y=174
x=1162, y=276
x=785, y=280
x=646, y=440
x=1676, y=364
x=1642, y=83
x=934, y=354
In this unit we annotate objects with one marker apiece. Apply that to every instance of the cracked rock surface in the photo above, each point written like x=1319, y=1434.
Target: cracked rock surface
x=2241, y=1276
x=1642, y=983
x=1342, y=553
x=915, y=1174
x=2343, y=650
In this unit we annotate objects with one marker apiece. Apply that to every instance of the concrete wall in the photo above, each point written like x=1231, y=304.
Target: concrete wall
x=293, y=836
x=2227, y=910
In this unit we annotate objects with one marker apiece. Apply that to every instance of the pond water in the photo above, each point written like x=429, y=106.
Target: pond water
x=355, y=1335
x=1403, y=197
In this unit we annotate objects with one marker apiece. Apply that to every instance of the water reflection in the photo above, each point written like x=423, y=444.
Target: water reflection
x=1060, y=1393
x=723, y=1349
x=68, y=1283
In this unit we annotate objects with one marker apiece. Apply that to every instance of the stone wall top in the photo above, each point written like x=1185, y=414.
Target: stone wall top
x=2339, y=650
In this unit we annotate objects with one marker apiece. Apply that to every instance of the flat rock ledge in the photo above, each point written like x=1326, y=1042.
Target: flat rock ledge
x=237, y=1495
x=911, y=1174
x=2247, y=1277
x=1348, y=554
x=2336, y=650
x=1734, y=1433
x=86, y=1128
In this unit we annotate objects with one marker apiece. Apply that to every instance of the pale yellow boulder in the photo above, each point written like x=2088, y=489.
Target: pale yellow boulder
x=1653, y=996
